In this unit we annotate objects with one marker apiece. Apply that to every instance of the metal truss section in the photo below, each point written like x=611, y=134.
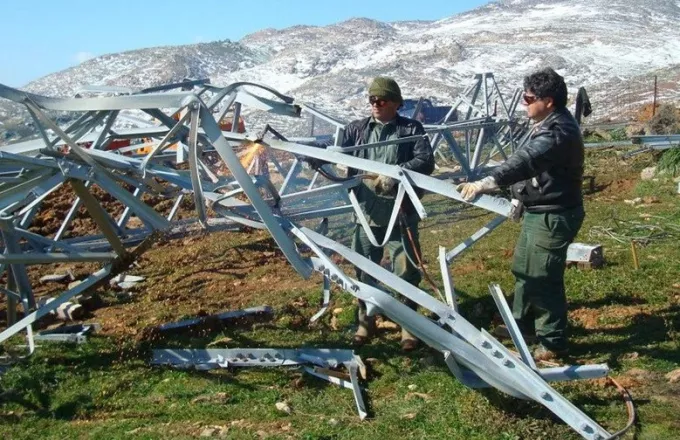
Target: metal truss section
x=262, y=179
x=318, y=362
x=481, y=129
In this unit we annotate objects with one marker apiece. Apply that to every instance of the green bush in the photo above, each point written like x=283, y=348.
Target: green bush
x=670, y=161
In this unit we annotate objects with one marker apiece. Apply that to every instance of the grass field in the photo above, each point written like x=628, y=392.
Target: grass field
x=105, y=388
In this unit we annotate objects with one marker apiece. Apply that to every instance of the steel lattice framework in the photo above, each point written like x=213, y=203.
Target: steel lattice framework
x=79, y=155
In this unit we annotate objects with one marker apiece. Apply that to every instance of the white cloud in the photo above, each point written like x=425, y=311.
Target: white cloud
x=199, y=39
x=81, y=57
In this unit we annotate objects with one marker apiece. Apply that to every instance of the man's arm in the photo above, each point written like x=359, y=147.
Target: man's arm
x=423, y=157
x=538, y=156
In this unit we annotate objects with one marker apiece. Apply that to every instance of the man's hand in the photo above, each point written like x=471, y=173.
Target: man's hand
x=470, y=190
x=385, y=185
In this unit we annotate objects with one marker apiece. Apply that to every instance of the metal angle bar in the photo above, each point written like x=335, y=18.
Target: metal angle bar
x=55, y=257
x=235, y=314
x=11, y=302
x=177, y=85
x=153, y=101
x=53, y=305
x=229, y=157
x=294, y=170
x=533, y=385
x=45, y=242
x=335, y=187
x=268, y=105
x=377, y=144
x=18, y=269
x=365, y=223
x=321, y=213
x=100, y=216
x=475, y=93
x=415, y=200
x=30, y=210
x=332, y=379
x=105, y=131
x=481, y=137
x=122, y=220
x=353, y=373
x=449, y=290
x=494, y=204
x=147, y=214
x=199, y=200
x=511, y=324
x=70, y=215
x=179, y=126
x=175, y=207
x=500, y=97
x=457, y=153
x=326, y=299
x=41, y=129
x=89, y=125
x=231, y=98
x=223, y=91
x=10, y=294
x=28, y=195
x=316, y=113
x=474, y=238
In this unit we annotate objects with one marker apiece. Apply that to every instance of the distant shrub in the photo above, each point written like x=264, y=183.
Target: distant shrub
x=670, y=161
x=665, y=121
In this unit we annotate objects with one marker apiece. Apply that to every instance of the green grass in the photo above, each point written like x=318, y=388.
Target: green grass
x=105, y=389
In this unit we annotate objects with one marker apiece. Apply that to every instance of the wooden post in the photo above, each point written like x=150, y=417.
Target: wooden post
x=636, y=261
x=656, y=92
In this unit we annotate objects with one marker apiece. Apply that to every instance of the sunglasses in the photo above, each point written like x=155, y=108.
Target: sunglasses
x=378, y=102
x=530, y=99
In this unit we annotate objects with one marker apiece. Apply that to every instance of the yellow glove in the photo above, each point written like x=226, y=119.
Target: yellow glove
x=470, y=190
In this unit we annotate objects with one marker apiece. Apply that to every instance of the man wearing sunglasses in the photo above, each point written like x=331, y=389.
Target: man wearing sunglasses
x=377, y=194
x=545, y=175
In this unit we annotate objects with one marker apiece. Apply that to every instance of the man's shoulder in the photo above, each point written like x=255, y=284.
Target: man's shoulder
x=407, y=122
x=359, y=122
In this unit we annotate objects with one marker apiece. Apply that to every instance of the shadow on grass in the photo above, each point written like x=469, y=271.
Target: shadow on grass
x=642, y=335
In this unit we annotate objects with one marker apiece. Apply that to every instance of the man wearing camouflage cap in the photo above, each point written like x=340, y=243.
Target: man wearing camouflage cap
x=377, y=196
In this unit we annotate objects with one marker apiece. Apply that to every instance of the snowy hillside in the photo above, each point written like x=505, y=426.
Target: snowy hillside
x=612, y=47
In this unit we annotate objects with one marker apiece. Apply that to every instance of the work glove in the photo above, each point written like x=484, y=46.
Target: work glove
x=470, y=190
x=385, y=185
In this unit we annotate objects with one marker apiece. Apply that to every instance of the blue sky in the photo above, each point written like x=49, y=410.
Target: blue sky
x=38, y=37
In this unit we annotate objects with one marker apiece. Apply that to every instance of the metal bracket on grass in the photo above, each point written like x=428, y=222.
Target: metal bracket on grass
x=209, y=359
x=76, y=334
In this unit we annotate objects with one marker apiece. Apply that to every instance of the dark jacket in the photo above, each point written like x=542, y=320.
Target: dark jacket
x=415, y=156
x=554, y=157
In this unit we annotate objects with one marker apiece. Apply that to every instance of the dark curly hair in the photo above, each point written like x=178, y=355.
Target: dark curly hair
x=547, y=83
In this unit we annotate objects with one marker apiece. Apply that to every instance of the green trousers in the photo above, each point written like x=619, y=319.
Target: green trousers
x=402, y=257
x=540, y=303
x=398, y=247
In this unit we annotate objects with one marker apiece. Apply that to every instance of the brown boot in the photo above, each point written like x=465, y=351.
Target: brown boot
x=502, y=332
x=366, y=326
x=547, y=355
x=408, y=341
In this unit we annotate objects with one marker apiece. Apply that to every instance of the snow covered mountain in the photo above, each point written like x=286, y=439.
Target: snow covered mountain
x=613, y=47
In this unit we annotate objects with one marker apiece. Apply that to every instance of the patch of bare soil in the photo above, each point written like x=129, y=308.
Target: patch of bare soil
x=611, y=317
x=204, y=275
x=55, y=207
